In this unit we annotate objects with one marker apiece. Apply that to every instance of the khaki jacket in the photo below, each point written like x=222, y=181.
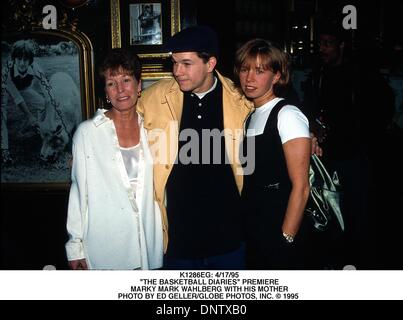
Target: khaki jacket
x=161, y=104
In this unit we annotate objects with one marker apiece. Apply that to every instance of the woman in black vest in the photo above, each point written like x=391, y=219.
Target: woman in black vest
x=275, y=193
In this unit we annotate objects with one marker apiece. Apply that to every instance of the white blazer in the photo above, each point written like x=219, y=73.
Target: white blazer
x=107, y=225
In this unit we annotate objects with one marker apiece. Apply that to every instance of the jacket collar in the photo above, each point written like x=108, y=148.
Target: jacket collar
x=174, y=97
x=229, y=87
x=100, y=117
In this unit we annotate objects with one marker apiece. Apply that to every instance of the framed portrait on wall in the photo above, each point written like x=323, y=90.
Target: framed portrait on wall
x=144, y=26
x=47, y=90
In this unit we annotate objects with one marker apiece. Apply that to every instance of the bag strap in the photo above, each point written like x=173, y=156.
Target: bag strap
x=329, y=184
x=327, y=180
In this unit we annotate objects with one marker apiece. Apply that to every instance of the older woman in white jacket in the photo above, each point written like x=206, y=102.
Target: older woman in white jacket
x=113, y=221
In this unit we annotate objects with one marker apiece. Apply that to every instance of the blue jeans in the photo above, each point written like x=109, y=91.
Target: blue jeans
x=234, y=260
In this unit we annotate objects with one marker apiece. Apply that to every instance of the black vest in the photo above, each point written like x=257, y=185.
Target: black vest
x=265, y=192
x=203, y=203
x=265, y=198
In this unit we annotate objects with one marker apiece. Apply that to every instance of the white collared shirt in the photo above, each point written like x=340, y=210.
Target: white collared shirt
x=202, y=94
x=107, y=225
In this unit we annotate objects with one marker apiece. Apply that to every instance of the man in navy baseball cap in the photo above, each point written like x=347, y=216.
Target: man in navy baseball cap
x=194, y=39
x=200, y=199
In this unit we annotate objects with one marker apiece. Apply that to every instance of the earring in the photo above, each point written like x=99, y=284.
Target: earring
x=139, y=94
x=107, y=100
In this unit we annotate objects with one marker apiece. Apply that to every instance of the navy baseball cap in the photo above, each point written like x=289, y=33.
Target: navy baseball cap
x=194, y=39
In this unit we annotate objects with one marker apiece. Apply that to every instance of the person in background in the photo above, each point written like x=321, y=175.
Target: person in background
x=275, y=194
x=350, y=106
x=113, y=221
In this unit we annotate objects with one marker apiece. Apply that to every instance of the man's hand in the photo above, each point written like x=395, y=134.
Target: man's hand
x=315, y=148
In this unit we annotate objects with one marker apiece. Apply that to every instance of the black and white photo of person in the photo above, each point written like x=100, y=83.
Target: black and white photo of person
x=145, y=24
x=40, y=107
x=18, y=74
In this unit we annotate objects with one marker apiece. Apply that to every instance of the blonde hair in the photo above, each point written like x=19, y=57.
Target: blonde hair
x=271, y=57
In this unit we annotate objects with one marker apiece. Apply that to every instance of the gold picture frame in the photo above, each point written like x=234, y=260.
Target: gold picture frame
x=120, y=29
x=148, y=78
x=63, y=60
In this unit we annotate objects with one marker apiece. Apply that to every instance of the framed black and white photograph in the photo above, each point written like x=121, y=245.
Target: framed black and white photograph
x=145, y=24
x=46, y=92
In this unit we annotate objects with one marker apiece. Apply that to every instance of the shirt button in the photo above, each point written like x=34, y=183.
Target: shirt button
x=167, y=166
x=199, y=116
x=200, y=104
